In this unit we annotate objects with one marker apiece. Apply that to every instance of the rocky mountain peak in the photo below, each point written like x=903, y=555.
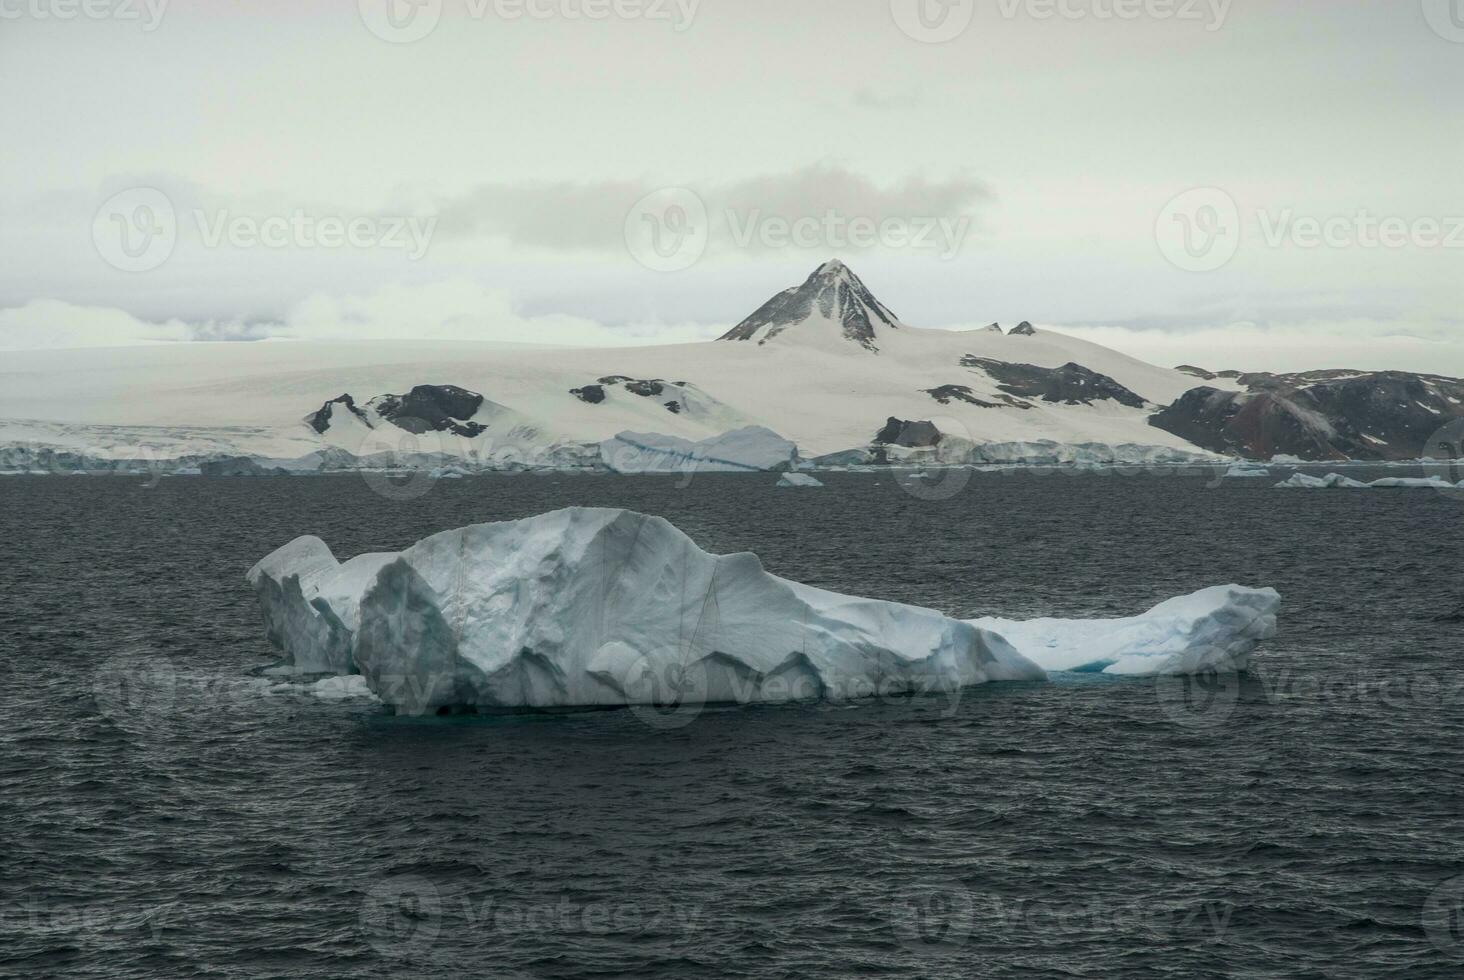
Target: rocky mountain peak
x=832, y=297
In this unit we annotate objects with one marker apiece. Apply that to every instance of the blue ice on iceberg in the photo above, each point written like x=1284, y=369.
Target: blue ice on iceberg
x=589, y=607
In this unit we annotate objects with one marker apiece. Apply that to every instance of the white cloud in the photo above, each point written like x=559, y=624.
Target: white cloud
x=49, y=324
x=454, y=310
x=460, y=310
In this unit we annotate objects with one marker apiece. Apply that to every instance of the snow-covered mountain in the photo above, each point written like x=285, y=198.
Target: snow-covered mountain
x=824, y=364
x=831, y=304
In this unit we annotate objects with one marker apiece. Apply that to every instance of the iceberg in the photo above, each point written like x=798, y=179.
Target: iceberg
x=310, y=602
x=1413, y=483
x=1214, y=630
x=798, y=480
x=1336, y=481
x=1246, y=471
x=751, y=449
x=589, y=607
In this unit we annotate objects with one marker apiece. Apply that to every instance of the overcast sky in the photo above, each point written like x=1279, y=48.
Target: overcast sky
x=483, y=169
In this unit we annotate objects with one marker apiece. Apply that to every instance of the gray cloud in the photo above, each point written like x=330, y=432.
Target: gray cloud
x=566, y=216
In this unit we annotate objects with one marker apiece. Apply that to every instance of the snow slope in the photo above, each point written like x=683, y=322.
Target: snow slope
x=818, y=381
x=594, y=607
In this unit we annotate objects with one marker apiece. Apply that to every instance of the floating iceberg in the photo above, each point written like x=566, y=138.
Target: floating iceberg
x=591, y=607
x=1413, y=483
x=1336, y=481
x=1332, y=481
x=1213, y=630
x=1246, y=471
x=798, y=480
x=751, y=449
x=311, y=602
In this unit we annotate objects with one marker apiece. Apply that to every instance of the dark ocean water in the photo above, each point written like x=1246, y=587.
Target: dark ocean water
x=1304, y=821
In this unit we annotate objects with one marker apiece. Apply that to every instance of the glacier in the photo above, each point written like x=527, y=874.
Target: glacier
x=591, y=607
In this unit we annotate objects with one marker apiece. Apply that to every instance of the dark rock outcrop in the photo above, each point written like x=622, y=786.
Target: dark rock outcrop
x=590, y=394
x=646, y=389
x=1197, y=372
x=1320, y=415
x=426, y=408
x=433, y=408
x=1071, y=384
x=1023, y=329
x=320, y=421
x=946, y=394
x=911, y=435
x=833, y=292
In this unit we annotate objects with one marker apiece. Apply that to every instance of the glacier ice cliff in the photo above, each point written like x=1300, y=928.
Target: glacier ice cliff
x=588, y=607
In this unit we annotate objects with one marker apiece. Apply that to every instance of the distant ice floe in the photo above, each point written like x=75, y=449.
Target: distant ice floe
x=752, y=448
x=1336, y=481
x=591, y=607
x=1246, y=471
x=798, y=480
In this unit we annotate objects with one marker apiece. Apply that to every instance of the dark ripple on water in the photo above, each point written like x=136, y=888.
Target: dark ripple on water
x=1304, y=823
